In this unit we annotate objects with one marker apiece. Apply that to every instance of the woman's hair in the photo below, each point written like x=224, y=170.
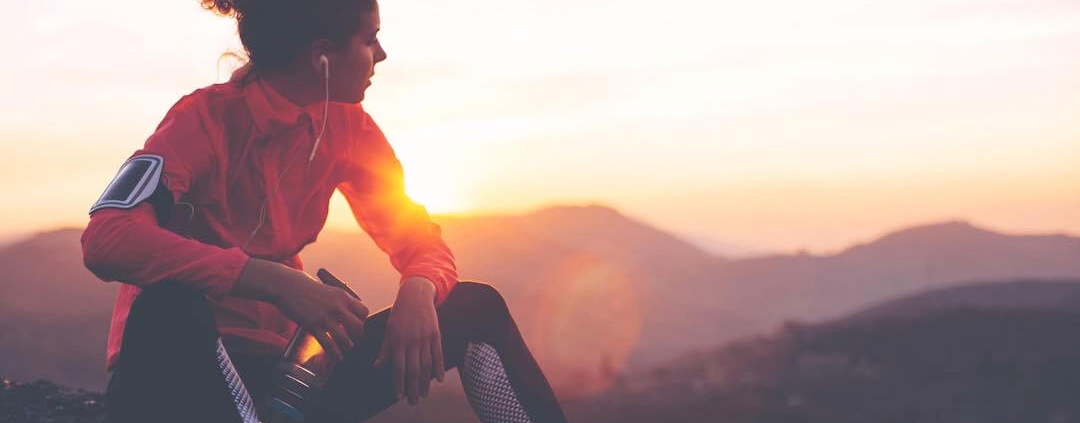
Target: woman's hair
x=275, y=32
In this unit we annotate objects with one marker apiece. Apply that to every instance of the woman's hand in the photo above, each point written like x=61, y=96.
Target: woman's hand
x=413, y=343
x=326, y=312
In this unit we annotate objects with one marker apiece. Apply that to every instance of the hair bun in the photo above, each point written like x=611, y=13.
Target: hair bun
x=275, y=33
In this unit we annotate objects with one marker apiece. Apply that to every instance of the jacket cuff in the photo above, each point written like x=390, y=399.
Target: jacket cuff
x=233, y=261
x=442, y=283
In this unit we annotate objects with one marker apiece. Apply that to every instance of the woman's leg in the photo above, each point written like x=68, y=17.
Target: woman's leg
x=172, y=366
x=501, y=379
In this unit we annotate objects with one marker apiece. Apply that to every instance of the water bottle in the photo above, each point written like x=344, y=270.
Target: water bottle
x=302, y=372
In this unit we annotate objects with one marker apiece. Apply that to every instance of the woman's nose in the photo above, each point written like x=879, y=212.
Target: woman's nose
x=380, y=54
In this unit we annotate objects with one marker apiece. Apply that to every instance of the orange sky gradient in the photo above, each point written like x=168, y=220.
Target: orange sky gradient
x=777, y=125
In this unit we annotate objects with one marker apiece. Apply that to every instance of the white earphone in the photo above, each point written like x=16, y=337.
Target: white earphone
x=325, y=63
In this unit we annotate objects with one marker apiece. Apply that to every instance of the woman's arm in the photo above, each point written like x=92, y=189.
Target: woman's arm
x=129, y=246
x=326, y=312
x=124, y=242
x=375, y=190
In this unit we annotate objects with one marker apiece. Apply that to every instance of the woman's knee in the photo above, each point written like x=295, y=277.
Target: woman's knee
x=483, y=297
x=168, y=293
x=170, y=306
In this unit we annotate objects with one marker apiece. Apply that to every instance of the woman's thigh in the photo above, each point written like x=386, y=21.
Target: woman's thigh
x=170, y=367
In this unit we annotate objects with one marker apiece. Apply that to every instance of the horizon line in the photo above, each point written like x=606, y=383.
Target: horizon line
x=696, y=241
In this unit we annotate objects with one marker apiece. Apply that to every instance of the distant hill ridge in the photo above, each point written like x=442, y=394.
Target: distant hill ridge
x=975, y=353
x=1028, y=294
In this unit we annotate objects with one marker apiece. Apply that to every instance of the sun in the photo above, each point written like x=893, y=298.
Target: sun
x=432, y=188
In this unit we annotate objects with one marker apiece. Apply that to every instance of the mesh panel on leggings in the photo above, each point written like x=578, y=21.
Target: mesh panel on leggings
x=488, y=387
x=237, y=391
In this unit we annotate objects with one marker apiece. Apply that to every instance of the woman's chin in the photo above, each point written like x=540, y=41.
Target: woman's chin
x=354, y=98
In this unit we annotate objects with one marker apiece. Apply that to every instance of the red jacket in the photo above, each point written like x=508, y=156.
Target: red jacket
x=224, y=147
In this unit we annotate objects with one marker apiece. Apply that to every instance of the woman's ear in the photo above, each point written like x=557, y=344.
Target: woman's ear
x=321, y=56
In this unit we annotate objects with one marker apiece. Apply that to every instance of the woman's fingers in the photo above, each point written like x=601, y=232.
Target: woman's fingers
x=424, y=377
x=353, y=324
x=327, y=344
x=437, y=357
x=384, y=352
x=412, y=373
x=344, y=342
x=398, y=357
x=358, y=308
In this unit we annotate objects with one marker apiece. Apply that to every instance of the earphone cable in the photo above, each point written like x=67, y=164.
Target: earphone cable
x=277, y=184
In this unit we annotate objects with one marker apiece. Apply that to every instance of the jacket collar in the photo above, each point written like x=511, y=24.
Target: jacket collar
x=272, y=113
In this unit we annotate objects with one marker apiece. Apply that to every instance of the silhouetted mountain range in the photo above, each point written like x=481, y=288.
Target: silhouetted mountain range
x=1029, y=294
x=593, y=291
x=977, y=353
x=922, y=258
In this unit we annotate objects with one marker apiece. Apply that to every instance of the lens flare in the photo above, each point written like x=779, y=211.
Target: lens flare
x=587, y=323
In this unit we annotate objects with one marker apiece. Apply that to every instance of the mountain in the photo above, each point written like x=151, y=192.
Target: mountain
x=727, y=249
x=972, y=354
x=594, y=292
x=54, y=315
x=1027, y=294
x=813, y=288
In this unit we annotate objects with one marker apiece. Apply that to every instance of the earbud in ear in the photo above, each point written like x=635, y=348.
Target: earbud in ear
x=325, y=62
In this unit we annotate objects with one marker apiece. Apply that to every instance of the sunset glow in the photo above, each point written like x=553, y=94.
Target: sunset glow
x=777, y=125
x=434, y=188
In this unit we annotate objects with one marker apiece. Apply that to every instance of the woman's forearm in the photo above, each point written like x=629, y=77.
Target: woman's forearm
x=263, y=280
x=129, y=246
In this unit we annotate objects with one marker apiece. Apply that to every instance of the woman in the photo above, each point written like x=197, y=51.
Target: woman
x=204, y=223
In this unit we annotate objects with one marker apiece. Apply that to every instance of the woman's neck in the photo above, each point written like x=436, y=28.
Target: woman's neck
x=299, y=90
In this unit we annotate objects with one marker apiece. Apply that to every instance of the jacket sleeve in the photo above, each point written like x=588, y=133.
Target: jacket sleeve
x=375, y=190
x=129, y=246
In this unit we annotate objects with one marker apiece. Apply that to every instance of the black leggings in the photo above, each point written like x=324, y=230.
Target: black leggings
x=168, y=370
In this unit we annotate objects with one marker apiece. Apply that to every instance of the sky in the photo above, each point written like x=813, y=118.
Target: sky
x=777, y=125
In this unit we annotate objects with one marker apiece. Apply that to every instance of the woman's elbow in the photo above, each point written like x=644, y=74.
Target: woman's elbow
x=99, y=241
x=95, y=254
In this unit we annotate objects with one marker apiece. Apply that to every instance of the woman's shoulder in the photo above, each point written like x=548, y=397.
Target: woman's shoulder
x=362, y=134
x=216, y=105
x=216, y=96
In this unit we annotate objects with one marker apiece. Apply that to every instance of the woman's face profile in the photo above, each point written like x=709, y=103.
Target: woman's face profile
x=352, y=67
